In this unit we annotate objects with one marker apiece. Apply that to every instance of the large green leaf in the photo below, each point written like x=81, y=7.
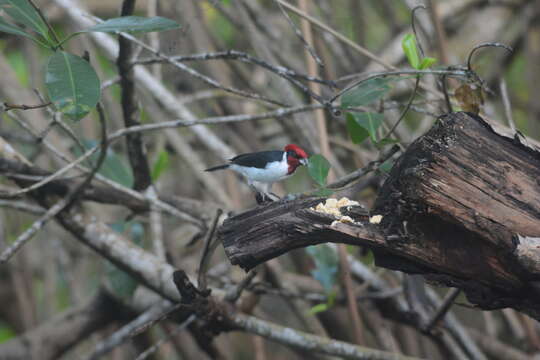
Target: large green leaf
x=23, y=12
x=365, y=93
x=368, y=121
x=318, y=168
x=72, y=84
x=357, y=133
x=113, y=168
x=135, y=24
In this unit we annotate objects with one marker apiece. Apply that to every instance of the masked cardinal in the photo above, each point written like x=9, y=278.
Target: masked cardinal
x=263, y=168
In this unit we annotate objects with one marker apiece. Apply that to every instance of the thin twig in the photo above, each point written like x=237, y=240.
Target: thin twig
x=337, y=35
x=355, y=175
x=234, y=293
x=22, y=206
x=62, y=204
x=236, y=55
x=57, y=118
x=413, y=24
x=404, y=112
x=116, y=186
x=298, y=33
x=208, y=250
x=443, y=309
x=49, y=27
x=141, y=323
x=200, y=76
x=454, y=72
x=145, y=354
x=8, y=107
x=445, y=93
x=483, y=45
x=507, y=105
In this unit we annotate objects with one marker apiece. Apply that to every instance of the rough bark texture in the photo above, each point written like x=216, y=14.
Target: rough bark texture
x=461, y=206
x=466, y=195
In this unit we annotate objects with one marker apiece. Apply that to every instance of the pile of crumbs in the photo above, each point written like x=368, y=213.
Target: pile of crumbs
x=331, y=206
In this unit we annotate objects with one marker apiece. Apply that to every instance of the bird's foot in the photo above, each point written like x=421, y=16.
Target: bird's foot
x=263, y=198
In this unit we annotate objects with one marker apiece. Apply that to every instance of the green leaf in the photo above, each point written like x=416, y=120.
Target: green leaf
x=135, y=24
x=427, y=62
x=366, y=93
x=23, y=12
x=120, y=282
x=318, y=168
x=411, y=51
x=72, y=84
x=113, y=168
x=161, y=164
x=357, y=133
x=370, y=122
x=318, y=308
x=326, y=265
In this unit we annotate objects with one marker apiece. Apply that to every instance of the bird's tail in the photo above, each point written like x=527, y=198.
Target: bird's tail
x=220, y=167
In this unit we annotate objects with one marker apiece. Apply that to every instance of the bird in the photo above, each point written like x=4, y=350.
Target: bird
x=262, y=169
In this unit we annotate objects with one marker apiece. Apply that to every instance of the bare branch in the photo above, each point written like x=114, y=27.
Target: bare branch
x=62, y=204
x=135, y=145
x=304, y=341
x=141, y=323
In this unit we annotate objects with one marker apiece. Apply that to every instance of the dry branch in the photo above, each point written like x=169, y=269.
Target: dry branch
x=461, y=206
x=57, y=336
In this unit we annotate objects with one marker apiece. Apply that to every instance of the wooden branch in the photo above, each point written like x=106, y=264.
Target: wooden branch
x=461, y=206
x=55, y=337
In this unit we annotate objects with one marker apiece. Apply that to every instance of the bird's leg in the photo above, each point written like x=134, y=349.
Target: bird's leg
x=268, y=194
x=273, y=196
x=263, y=192
x=259, y=197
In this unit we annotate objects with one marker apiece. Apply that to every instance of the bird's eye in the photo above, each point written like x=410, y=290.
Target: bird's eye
x=291, y=153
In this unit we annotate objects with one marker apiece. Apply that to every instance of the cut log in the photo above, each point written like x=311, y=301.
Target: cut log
x=461, y=206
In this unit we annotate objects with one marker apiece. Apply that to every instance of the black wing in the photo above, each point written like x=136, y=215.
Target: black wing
x=257, y=159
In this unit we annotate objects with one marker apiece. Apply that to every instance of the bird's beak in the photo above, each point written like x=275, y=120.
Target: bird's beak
x=304, y=161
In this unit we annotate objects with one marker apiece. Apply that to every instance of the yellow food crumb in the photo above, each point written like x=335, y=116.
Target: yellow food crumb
x=331, y=206
x=375, y=219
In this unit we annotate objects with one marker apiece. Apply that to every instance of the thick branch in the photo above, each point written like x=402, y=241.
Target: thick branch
x=461, y=206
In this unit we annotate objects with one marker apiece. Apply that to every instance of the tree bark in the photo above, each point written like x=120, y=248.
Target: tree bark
x=461, y=206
